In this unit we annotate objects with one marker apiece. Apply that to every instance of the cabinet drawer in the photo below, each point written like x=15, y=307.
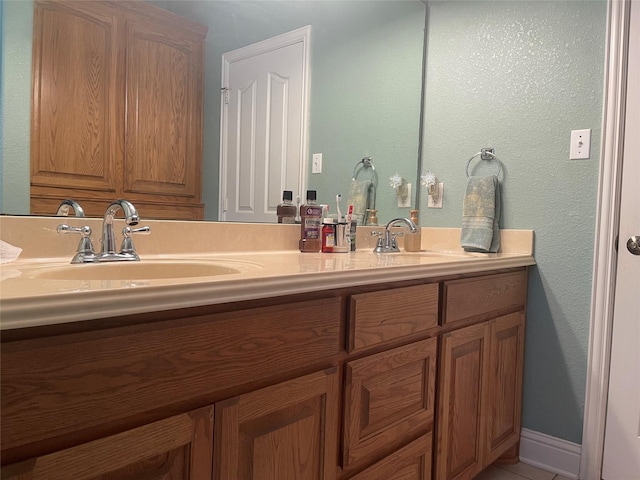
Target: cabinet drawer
x=389, y=397
x=378, y=317
x=412, y=462
x=52, y=386
x=487, y=296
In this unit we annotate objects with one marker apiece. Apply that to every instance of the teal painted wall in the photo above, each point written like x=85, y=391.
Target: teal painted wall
x=519, y=76
x=15, y=91
x=366, y=81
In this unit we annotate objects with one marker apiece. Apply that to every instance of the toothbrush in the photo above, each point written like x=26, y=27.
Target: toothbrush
x=349, y=213
x=338, y=198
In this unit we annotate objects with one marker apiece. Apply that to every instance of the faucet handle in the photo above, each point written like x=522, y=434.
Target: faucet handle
x=84, y=252
x=127, y=246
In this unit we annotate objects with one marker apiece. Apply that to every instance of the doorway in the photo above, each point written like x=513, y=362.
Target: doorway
x=264, y=109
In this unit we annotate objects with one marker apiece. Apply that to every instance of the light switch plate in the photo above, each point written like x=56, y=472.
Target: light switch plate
x=580, y=147
x=316, y=163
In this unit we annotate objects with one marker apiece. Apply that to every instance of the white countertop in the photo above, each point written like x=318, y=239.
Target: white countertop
x=27, y=299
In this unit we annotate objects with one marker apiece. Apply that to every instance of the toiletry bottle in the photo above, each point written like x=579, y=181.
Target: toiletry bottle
x=310, y=214
x=286, y=210
x=413, y=241
x=328, y=235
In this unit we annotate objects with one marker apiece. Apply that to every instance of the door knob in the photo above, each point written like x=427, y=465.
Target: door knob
x=633, y=244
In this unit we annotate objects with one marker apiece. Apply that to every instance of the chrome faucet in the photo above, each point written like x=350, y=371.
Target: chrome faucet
x=108, y=252
x=387, y=242
x=63, y=209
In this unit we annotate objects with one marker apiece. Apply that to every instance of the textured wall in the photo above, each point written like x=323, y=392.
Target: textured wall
x=16, y=104
x=519, y=76
x=366, y=79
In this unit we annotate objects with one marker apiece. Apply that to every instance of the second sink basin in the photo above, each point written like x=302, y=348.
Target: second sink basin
x=143, y=270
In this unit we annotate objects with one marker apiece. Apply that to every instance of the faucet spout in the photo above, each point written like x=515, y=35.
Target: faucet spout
x=412, y=226
x=63, y=209
x=108, y=238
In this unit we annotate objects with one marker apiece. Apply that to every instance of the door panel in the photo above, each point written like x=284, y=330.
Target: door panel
x=622, y=434
x=263, y=129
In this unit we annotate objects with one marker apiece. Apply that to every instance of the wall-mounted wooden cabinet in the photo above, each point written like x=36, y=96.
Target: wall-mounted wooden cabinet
x=269, y=390
x=117, y=108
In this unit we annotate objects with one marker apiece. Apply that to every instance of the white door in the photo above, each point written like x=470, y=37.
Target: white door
x=263, y=144
x=622, y=434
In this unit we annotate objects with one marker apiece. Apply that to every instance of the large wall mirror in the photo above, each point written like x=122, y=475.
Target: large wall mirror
x=366, y=73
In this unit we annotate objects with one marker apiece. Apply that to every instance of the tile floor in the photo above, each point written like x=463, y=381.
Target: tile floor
x=519, y=471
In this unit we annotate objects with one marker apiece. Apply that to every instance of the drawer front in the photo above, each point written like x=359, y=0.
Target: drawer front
x=488, y=296
x=378, y=317
x=412, y=462
x=389, y=397
x=53, y=385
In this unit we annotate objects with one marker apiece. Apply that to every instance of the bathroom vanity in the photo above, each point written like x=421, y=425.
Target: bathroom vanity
x=320, y=366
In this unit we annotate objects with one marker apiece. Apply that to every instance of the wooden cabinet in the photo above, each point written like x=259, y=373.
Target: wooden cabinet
x=286, y=431
x=176, y=448
x=117, y=108
x=480, y=383
x=271, y=390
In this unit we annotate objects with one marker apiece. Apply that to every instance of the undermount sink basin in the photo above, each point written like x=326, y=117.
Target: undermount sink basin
x=142, y=270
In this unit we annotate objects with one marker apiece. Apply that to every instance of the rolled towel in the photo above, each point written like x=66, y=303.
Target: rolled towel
x=481, y=215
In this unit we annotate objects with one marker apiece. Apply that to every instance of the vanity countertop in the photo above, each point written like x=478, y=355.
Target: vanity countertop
x=27, y=299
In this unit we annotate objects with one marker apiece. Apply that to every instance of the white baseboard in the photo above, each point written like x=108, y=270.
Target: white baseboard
x=550, y=453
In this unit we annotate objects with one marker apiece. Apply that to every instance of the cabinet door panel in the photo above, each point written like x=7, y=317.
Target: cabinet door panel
x=163, y=109
x=461, y=430
x=179, y=447
x=505, y=384
x=283, y=432
x=388, y=398
x=412, y=462
x=75, y=95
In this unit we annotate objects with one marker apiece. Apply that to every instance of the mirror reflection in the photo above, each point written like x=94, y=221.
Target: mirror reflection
x=365, y=81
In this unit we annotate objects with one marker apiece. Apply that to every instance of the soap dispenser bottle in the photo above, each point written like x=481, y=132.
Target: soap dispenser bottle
x=413, y=241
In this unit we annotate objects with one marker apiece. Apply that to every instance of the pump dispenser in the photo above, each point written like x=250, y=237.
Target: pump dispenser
x=310, y=227
x=413, y=241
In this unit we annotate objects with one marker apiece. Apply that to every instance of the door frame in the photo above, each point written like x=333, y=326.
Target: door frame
x=607, y=224
x=300, y=35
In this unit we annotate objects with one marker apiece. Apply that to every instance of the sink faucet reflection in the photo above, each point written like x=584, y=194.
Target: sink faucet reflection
x=387, y=242
x=108, y=252
x=65, y=205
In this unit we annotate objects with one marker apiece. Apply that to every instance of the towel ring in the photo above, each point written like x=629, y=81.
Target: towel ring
x=486, y=154
x=364, y=163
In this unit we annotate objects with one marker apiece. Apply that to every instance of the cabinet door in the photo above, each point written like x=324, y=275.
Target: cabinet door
x=75, y=98
x=179, y=447
x=412, y=462
x=163, y=128
x=389, y=398
x=283, y=432
x=461, y=434
x=504, y=401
